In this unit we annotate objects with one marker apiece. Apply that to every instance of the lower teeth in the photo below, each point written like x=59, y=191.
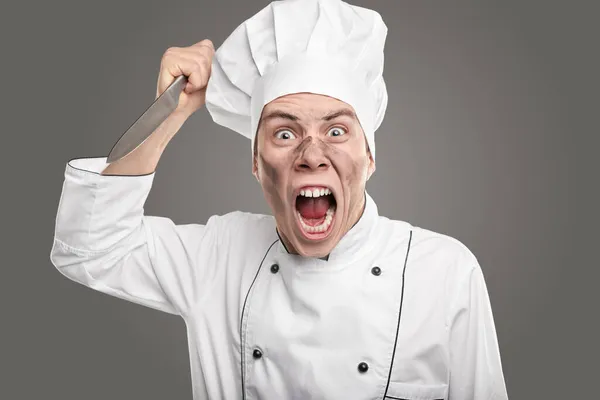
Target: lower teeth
x=318, y=228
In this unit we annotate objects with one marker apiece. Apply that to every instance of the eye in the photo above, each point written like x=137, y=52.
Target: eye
x=336, y=131
x=285, y=134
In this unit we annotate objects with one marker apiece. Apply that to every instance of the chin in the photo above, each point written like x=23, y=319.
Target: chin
x=313, y=244
x=314, y=251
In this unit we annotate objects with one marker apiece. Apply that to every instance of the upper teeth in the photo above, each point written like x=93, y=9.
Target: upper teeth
x=315, y=192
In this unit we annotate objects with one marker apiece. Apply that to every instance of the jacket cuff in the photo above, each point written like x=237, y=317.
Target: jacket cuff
x=97, y=211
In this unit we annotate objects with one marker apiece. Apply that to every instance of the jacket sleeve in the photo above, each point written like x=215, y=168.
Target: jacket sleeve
x=104, y=241
x=475, y=363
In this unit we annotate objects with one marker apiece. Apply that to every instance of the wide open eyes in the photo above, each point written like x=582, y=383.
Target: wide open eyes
x=336, y=131
x=285, y=134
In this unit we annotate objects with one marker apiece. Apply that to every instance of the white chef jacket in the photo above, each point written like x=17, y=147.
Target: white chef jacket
x=396, y=312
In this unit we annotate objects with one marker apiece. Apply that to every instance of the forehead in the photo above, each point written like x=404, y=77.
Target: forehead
x=306, y=104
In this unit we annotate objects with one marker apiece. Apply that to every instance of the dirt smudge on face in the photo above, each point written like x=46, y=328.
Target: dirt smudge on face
x=348, y=168
x=273, y=171
x=298, y=151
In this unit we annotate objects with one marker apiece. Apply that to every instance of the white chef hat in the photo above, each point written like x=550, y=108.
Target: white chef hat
x=325, y=47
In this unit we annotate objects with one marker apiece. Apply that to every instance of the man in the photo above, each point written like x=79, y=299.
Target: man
x=324, y=300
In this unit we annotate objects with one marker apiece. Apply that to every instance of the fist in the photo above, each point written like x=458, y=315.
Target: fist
x=195, y=63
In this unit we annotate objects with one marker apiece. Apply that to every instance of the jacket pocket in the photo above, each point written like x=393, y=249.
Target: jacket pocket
x=411, y=391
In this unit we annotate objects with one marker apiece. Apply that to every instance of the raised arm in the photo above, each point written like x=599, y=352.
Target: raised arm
x=194, y=62
x=102, y=238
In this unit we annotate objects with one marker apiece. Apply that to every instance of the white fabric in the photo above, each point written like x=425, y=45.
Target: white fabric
x=313, y=320
x=325, y=47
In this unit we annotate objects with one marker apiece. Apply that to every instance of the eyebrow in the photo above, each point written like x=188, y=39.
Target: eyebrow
x=285, y=115
x=343, y=112
x=279, y=114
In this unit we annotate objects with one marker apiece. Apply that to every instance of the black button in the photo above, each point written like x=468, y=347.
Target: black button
x=274, y=268
x=257, y=353
x=376, y=271
x=363, y=367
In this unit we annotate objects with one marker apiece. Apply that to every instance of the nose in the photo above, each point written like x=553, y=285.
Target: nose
x=311, y=156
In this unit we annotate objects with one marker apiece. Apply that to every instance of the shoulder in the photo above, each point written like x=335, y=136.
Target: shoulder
x=444, y=244
x=244, y=220
x=436, y=249
x=239, y=227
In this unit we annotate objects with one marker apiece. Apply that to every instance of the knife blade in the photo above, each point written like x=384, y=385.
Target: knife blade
x=147, y=123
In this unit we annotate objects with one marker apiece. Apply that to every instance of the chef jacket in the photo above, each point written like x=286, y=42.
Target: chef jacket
x=395, y=312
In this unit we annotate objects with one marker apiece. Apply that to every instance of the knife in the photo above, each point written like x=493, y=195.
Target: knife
x=147, y=123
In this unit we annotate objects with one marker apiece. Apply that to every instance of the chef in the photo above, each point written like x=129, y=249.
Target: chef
x=325, y=299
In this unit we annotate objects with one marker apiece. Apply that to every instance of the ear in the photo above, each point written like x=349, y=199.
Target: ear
x=255, y=167
x=372, y=167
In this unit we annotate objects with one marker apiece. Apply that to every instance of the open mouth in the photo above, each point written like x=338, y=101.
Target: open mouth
x=315, y=208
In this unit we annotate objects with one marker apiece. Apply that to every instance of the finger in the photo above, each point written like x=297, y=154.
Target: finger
x=199, y=72
x=174, y=65
x=201, y=53
x=165, y=75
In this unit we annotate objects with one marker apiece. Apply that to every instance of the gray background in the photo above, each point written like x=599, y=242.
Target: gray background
x=490, y=137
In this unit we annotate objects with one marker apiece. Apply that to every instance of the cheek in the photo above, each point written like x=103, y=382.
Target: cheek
x=273, y=177
x=268, y=172
x=350, y=169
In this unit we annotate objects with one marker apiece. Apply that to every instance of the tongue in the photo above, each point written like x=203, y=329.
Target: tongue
x=312, y=208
